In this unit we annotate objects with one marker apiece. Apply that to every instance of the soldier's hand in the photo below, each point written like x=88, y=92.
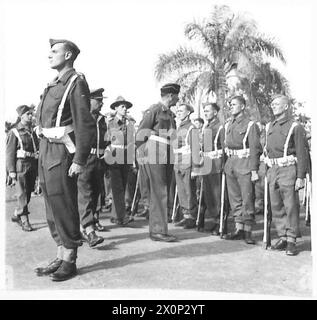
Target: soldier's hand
x=12, y=179
x=254, y=176
x=75, y=169
x=193, y=174
x=299, y=184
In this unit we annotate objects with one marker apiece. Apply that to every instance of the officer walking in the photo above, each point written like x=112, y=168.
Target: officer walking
x=287, y=156
x=186, y=187
x=90, y=180
x=243, y=148
x=119, y=156
x=67, y=130
x=22, y=154
x=153, y=130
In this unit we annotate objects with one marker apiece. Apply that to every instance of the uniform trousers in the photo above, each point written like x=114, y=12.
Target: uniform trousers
x=89, y=188
x=26, y=176
x=212, y=197
x=159, y=176
x=144, y=184
x=284, y=201
x=119, y=178
x=240, y=190
x=60, y=194
x=259, y=189
x=186, y=189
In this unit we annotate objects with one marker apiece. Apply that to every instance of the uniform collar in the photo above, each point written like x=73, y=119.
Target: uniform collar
x=65, y=77
x=184, y=122
x=239, y=118
x=20, y=126
x=213, y=121
x=163, y=106
x=118, y=120
x=282, y=121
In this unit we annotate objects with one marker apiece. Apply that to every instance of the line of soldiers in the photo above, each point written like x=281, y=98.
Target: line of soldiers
x=76, y=144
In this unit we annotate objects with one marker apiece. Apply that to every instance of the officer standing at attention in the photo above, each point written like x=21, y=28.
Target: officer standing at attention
x=119, y=156
x=186, y=187
x=90, y=180
x=67, y=130
x=213, y=147
x=287, y=156
x=243, y=148
x=153, y=130
x=21, y=154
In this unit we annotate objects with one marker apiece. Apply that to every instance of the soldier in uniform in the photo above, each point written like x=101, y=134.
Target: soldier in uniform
x=153, y=130
x=21, y=153
x=287, y=155
x=243, y=148
x=144, y=184
x=90, y=180
x=213, y=148
x=186, y=188
x=119, y=156
x=67, y=130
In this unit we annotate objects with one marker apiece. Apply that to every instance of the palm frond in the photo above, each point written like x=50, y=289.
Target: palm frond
x=181, y=60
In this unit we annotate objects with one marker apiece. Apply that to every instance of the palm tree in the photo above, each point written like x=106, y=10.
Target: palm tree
x=227, y=41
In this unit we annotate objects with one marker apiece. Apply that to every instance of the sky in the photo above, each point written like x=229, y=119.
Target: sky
x=121, y=40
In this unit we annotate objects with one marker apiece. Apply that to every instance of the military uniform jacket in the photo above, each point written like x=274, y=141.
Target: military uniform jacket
x=120, y=139
x=210, y=132
x=76, y=112
x=12, y=145
x=101, y=128
x=183, y=141
x=297, y=146
x=157, y=117
x=236, y=129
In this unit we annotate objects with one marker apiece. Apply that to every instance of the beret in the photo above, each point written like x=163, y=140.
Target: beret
x=121, y=100
x=23, y=109
x=97, y=94
x=70, y=44
x=170, y=88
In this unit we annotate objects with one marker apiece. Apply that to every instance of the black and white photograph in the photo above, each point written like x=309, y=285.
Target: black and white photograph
x=157, y=150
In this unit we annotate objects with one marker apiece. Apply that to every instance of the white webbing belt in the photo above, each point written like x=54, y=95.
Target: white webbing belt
x=286, y=160
x=159, y=139
x=21, y=153
x=59, y=134
x=186, y=148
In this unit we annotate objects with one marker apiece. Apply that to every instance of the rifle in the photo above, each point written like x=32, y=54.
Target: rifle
x=174, y=205
x=199, y=204
x=267, y=219
x=223, y=182
x=307, y=195
x=133, y=206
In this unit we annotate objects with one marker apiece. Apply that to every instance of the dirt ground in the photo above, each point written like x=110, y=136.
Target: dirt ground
x=128, y=259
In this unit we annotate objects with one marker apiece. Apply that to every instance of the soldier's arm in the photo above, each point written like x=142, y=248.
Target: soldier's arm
x=83, y=122
x=11, y=152
x=145, y=127
x=301, y=151
x=255, y=147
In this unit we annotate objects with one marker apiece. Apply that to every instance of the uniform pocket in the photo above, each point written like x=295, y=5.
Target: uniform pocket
x=287, y=176
x=54, y=177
